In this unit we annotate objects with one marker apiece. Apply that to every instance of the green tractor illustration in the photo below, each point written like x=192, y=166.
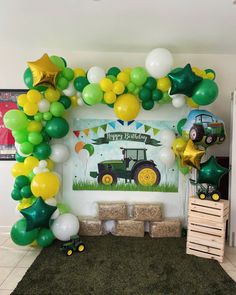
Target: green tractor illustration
x=74, y=245
x=206, y=126
x=133, y=166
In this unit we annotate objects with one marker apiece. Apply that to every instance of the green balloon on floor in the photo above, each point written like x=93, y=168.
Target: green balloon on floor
x=19, y=234
x=45, y=237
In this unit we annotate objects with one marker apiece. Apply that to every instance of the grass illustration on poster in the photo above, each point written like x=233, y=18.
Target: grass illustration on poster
x=121, y=156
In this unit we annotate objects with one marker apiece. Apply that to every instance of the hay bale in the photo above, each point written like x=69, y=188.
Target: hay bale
x=166, y=228
x=129, y=228
x=91, y=227
x=147, y=212
x=111, y=210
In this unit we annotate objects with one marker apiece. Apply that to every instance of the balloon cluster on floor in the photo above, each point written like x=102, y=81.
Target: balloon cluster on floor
x=54, y=88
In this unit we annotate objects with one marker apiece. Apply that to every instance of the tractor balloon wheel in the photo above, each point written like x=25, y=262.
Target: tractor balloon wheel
x=147, y=175
x=202, y=195
x=107, y=178
x=215, y=196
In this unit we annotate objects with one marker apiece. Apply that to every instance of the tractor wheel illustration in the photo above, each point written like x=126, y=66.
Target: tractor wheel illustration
x=215, y=196
x=81, y=248
x=107, y=178
x=210, y=139
x=202, y=195
x=196, y=133
x=147, y=175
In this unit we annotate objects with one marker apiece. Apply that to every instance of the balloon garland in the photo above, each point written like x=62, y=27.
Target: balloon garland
x=54, y=88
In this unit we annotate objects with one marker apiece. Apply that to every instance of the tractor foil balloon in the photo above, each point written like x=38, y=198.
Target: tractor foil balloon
x=204, y=128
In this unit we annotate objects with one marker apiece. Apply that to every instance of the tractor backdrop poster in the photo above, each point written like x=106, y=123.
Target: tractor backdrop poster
x=117, y=155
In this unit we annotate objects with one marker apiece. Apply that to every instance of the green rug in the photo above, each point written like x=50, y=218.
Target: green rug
x=125, y=266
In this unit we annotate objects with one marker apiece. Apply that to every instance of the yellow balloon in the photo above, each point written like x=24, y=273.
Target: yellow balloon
x=74, y=100
x=123, y=77
x=198, y=72
x=50, y=164
x=78, y=72
x=118, y=87
x=179, y=145
x=22, y=100
x=127, y=107
x=191, y=103
x=106, y=84
x=164, y=84
x=31, y=162
x=34, y=96
x=127, y=70
x=109, y=97
x=19, y=169
x=30, y=108
x=52, y=94
x=24, y=203
x=45, y=185
x=210, y=76
x=34, y=126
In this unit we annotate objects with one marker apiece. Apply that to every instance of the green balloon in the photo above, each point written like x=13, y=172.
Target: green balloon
x=19, y=158
x=57, y=109
x=45, y=237
x=150, y=83
x=35, y=138
x=20, y=136
x=47, y=116
x=184, y=170
x=165, y=99
x=16, y=194
x=180, y=125
x=15, y=120
x=62, y=83
x=22, y=181
x=205, y=92
x=145, y=94
x=31, y=175
x=136, y=90
x=28, y=79
x=80, y=83
x=63, y=208
x=112, y=78
x=65, y=63
x=57, y=127
x=26, y=148
x=42, y=151
x=46, y=137
x=138, y=76
x=212, y=72
x=157, y=94
x=26, y=191
x=19, y=234
x=38, y=117
x=92, y=94
x=131, y=87
x=148, y=105
x=68, y=73
x=89, y=148
x=58, y=61
x=65, y=100
x=114, y=71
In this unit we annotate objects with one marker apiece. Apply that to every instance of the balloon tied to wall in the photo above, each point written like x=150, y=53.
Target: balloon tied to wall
x=54, y=88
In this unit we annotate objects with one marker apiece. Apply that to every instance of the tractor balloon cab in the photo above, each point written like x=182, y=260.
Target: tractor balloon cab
x=133, y=166
x=205, y=190
x=206, y=129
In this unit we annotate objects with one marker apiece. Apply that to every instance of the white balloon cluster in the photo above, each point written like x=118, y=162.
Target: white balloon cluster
x=59, y=153
x=166, y=153
x=41, y=167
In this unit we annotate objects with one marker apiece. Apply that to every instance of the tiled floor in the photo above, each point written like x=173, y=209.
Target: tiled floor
x=15, y=260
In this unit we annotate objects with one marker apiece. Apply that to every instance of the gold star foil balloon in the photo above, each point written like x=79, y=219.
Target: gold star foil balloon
x=192, y=155
x=44, y=72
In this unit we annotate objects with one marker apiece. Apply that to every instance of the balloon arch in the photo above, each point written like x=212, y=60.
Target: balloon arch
x=54, y=88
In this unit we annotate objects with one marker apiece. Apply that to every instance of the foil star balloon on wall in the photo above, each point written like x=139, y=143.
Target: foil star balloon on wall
x=192, y=155
x=184, y=81
x=44, y=71
x=211, y=172
x=38, y=215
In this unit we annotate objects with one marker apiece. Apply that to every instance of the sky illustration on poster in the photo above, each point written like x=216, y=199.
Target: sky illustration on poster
x=114, y=142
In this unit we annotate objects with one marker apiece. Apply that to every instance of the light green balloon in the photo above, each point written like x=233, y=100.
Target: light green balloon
x=92, y=94
x=15, y=120
x=20, y=135
x=138, y=76
x=57, y=109
x=35, y=138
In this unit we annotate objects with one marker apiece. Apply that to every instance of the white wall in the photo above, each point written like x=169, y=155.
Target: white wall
x=13, y=63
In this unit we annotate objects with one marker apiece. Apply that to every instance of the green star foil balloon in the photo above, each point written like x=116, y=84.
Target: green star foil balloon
x=211, y=172
x=38, y=215
x=184, y=81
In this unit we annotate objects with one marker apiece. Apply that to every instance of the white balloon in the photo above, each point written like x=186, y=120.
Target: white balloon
x=44, y=105
x=178, y=102
x=167, y=156
x=167, y=136
x=42, y=164
x=59, y=153
x=37, y=170
x=51, y=202
x=17, y=146
x=70, y=90
x=83, y=156
x=159, y=62
x=80, y=102
x=65, y=226
x=95, y=74
x=55, y=214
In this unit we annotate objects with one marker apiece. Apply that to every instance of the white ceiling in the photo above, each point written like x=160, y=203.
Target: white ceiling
x=182, y=26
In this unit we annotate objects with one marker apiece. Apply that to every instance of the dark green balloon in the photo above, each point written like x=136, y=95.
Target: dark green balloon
x=150, y=83
x=114, y=71
x=21, y=181
x=19, y=234
x=19, y=158
x=80, y=83
x=46, y=137
x=45, y=237
x=145, y=94
x=212, y=72
x=148, y=105
x=205, y=92
x=89, y=147
x=157, y=95
x=65, y=100
x=16, y=194
x=57, y=127
x=180, y=125
x=26, y=191
x=42, y=151
x=28, y=79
